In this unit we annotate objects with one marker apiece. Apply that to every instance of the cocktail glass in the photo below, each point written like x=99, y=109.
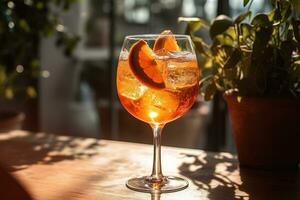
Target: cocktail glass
x=157, y=82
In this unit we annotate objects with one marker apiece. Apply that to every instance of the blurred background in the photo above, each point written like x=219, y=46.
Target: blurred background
x=76, y=93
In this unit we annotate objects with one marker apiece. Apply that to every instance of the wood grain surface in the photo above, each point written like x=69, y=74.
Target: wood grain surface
x=52, y=167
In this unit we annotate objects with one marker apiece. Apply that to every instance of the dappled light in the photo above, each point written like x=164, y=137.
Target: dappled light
x=64, y=167
x=217, y=174
x=45, y=148
x=220, y=177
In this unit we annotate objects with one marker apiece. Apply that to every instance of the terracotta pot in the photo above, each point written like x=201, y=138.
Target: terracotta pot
x=11, y=120
x=266, y=131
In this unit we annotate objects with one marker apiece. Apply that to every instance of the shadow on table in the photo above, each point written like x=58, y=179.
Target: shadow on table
x=10, y=188
x=219, y=175
x=19, y=150
x=275, y=185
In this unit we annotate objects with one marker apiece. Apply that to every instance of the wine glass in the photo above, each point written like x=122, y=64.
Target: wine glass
x=157, y=82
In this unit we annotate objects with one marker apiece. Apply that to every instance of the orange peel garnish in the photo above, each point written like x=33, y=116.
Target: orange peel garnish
x=166, y=42
x=143, y=65
x=142, y=61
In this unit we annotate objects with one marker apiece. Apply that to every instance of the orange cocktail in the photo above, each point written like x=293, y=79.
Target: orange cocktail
x=157, y=82
x=180, y=74
x=160, y=105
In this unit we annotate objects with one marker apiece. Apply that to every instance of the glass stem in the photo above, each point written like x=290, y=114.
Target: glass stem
x=157, y=175
x=155, y=196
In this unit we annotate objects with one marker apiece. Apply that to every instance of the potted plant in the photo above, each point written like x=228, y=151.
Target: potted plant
x=255, y=62
x=22, y=26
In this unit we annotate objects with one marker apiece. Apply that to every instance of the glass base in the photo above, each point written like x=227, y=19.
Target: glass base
x=169, y=184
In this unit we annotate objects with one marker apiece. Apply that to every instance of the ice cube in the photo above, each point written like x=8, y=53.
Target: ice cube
x=124, y=54
x=183, y=55
x=162, y=52
x=128, y=85
x=160, y=101
x=179, y=74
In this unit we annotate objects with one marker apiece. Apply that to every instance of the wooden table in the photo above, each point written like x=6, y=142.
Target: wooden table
x=54, y=167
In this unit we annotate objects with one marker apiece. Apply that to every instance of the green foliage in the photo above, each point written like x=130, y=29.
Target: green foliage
x=256, y=58
x=246, y=2
x=23, y=23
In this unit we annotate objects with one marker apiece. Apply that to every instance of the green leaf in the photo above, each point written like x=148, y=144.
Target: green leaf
x=220, y=25
x=290, y=33
x=296, y=5
x=261, y=20
x=296, y=27
x=230, y=74
x=199, y=45
x=194, y=23
x=286, y=50
x=246, y=2
x=208, y=63
x=272, y=15
x=295, y=72
x=227, y=38
x=273, y=2
x=242, y=17
x=230, y=32
x=219, y=83
x=262, y=37
x=194, y=26
x=234, y=59
x=286, y=10
x=246, y=31
x=210, y=92
x=223, y=40
x=207, y=87
x=297, y=62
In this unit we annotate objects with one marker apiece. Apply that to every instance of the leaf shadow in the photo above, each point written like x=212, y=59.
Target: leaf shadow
x=220, y=177
x=19, y=149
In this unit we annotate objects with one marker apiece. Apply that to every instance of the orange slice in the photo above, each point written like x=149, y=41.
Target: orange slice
x=143, y=65
x=169, y=42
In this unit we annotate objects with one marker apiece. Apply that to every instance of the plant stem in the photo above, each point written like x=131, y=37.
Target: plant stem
x=250, y=5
